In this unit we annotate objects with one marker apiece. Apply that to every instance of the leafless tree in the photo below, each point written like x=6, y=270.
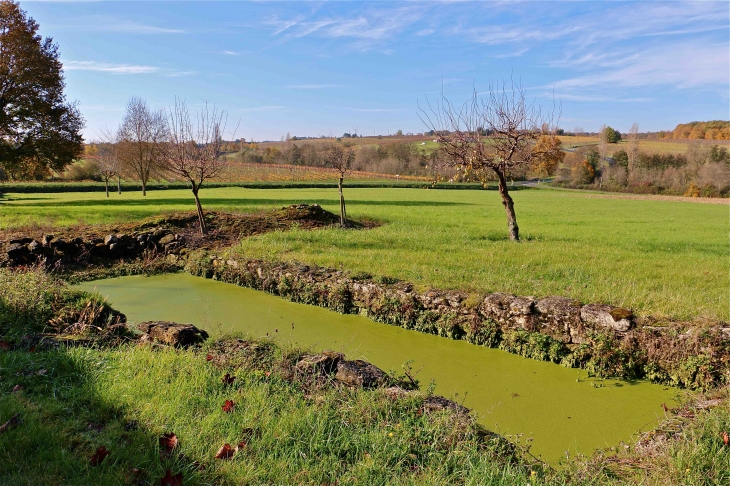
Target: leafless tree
x=340, y=158
x=193, y=150
x=494, y=133
x=108, y=159
x=633, y=151
x=602, y=141
x=141, y=135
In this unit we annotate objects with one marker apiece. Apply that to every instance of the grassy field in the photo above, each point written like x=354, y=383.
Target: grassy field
x=660, y=258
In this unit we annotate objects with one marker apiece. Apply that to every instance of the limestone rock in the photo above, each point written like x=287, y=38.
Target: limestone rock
x=166, y=239
x=508, y=309
x=325, y=362
x=173, y=334
x=599, y=315
x=110, y=240
x=17, y=252
x=35, y=247
x=560, y=315
x=360, y=374
x=435, y=403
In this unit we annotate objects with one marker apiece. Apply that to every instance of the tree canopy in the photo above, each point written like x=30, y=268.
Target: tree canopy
x=39, y=129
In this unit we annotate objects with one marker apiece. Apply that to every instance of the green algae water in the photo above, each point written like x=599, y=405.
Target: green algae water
x=562, y=409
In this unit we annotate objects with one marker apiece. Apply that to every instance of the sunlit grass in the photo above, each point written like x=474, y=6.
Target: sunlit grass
x=660, y=258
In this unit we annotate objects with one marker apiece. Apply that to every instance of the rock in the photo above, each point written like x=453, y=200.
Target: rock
x=35, y=247
x=397, y=392
x=17, y=252
x=113, y=247
x=359, y=373
x=435, y=403
x=110, y=240
x=561, y=315
x=325, y=362
x=599, y=315
x=21, y=241
x=166, y=239
x=46, y=240
x=508, y=309
x=173, y=334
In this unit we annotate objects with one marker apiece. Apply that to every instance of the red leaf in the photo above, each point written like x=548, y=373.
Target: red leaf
x=17, y=389
x=169, y=480
x=229, y=406
x=241, y=445
x=168, y=442
x=99, y=456
x=225, y=452
x=5, y=346
x=725, y=437
x=209, y=357
x=228, y=379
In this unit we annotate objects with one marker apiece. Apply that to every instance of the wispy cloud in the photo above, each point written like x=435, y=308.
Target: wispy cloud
x=115, y=25
x=680, y=65
x=262, y=108
x=507, y=55
x=314, y=86
x=231, y=53
x=109, y=68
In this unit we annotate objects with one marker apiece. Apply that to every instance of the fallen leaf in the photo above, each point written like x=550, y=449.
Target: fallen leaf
x=99, y=456
x=240, y=446
x=32, y=350
x=17, y=389
x=725, y=437
x=5, y=346
x=168, y=443
x=228, y=379
x=209, y=357
x=169, y=480
x=41, y=372
x=225, y=452
x=13, y=422
x=664, y=406
x=229, y=406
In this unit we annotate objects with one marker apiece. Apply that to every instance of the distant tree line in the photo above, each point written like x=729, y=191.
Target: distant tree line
x=710, y=130
x=701, y=171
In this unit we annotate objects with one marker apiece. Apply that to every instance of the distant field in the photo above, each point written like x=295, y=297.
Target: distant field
x=645, y=145
x=660, y=258
x=247, y=172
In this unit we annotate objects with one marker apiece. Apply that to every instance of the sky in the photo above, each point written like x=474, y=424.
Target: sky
x=325, y=68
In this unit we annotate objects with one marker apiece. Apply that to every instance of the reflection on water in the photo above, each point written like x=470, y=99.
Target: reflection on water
x=562, y=409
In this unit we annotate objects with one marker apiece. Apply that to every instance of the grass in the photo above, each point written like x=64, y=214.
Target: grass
x=660, y=258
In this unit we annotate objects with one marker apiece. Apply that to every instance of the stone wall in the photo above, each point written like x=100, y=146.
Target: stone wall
x=603, y=339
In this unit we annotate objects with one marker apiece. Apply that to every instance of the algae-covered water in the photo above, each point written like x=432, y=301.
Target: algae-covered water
x=560, y=408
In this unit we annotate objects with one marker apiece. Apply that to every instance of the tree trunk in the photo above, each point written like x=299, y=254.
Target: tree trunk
x=144, y=187
x=201, y=216
x=343, y=214
x=106, y=185
x=509, y=207
x=119, y=185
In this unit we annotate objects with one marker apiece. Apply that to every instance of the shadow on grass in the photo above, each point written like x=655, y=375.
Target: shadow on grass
x=232, y=203
x=65, y=421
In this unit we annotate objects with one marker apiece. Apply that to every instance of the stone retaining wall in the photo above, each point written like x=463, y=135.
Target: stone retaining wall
x=600, y=338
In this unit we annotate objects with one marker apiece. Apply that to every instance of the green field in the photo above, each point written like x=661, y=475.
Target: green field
x=660, y=258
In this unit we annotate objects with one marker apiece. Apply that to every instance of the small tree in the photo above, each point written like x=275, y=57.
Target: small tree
x=549, y=155
x=633, y=152
x=489, y=135
x=140, y=140
x=192, y=152
x=340, y=158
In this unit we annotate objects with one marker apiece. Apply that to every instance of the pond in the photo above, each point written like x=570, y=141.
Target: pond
x=562, y=409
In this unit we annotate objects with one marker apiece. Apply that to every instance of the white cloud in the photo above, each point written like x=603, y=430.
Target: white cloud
x=231, y=53
x=108, y=24
x=108, y=68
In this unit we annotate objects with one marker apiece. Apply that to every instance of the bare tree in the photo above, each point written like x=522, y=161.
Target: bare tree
x=633, y=151
x=340, y=158
x=193, y=150
x=493, y=134
x=141, y=135
x=602, y=141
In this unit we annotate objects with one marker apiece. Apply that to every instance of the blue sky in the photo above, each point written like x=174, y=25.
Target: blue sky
x=321, y=68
